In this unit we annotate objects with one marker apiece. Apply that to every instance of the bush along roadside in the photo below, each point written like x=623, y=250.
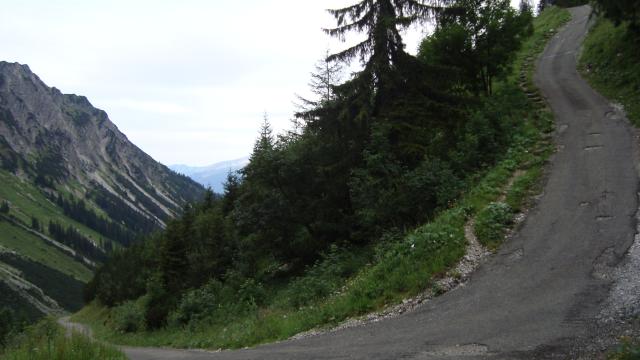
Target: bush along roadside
x=348, y=282
x=46, y=340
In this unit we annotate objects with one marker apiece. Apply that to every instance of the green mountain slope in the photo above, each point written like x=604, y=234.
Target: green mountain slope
x=72, y=190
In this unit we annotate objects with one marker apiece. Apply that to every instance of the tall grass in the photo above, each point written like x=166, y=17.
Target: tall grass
x=47, y=341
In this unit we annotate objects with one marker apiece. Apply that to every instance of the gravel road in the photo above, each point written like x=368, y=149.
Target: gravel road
x=547, y=286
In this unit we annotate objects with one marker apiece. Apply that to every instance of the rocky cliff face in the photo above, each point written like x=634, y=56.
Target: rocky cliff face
x=63, y=143
x=72, y=189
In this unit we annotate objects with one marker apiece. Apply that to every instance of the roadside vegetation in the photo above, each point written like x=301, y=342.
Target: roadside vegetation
x=46, y=340
x=628, y=349
x=361, y=206
x=611, y=63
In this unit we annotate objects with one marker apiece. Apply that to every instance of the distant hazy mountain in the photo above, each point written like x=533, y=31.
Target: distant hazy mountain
x=212, y=175
x=72, y=188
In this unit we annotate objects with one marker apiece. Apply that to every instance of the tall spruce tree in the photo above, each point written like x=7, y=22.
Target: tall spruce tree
x=383, y=48
x=480, y=40
x=382, y=20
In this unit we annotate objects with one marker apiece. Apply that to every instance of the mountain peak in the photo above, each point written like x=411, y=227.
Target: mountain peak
x=81, y=145
x=15, y=66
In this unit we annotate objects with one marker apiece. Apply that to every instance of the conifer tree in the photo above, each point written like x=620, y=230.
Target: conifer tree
x=265, y=140
x=382, y=21
x=208, y=200
x=4, y=207
x=231, y=191
x=326, y=76
x=480, y=39
x=173, y=256
x=324, y=80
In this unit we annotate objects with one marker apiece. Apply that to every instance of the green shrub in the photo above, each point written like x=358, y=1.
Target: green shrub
x=129, y=316
x=10, y=323
x=196, y=305
x=251, y=292
x=322, y=279
x=158, y=303
x=492, y=223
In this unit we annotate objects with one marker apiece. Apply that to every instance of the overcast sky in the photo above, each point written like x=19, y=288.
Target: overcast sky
x=187, y=81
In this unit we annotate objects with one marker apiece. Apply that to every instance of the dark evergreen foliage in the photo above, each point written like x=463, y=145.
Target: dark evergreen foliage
x=11, y=323
x=120, y=212
x=79, y=211
x=35, y=224
x=478, y=41
x=64, y=289
x=75, y=240
x=4, y=207
x=326, y=76
x=50, y=168
x=621, y=11
x=124, y=276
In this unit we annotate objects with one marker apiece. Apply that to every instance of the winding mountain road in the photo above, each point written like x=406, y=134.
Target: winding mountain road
x=548, y=283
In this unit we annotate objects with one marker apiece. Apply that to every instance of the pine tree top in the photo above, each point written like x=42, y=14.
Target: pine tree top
x=381, y=20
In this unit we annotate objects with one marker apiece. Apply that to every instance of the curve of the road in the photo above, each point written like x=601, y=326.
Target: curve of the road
x=548, y=283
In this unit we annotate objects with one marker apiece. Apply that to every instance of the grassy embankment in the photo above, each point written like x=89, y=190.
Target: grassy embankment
x=610, y=61
x=396, y=269
x=47, y=341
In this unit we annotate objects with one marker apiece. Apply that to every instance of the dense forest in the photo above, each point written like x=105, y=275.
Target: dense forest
x=621, y=12
x=75, y=240
x=369, y=159
x=79, y=211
